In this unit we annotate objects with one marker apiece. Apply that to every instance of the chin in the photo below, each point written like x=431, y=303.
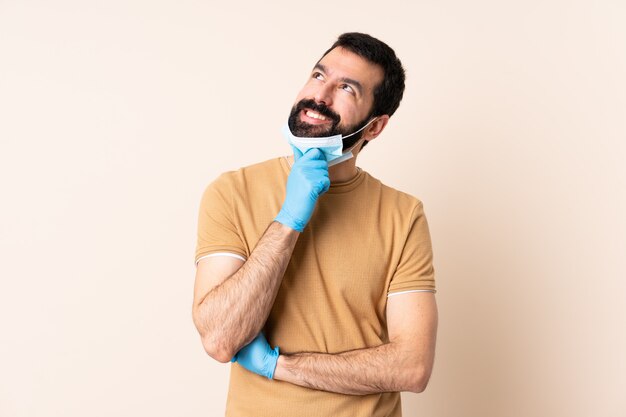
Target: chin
x=306, y=130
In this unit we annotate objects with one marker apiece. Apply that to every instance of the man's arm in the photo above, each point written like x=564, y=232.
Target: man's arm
x=403, y=364
x=232, y=298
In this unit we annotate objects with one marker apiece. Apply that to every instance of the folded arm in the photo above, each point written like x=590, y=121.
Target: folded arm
x=403, y=364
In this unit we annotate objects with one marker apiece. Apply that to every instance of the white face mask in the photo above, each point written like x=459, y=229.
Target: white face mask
x=331, y=146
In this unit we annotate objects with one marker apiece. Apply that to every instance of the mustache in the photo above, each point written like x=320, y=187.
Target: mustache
x=318, y=107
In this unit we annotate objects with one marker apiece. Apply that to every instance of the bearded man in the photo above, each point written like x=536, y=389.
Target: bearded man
x=316, y=257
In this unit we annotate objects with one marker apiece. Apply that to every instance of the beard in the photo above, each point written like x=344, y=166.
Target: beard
x=306, y=130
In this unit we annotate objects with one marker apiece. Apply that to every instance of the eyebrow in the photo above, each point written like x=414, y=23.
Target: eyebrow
x=346, y=80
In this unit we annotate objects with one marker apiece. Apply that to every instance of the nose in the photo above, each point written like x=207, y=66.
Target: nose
x=324, y=94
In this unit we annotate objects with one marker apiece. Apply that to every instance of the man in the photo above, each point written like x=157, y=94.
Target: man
x=326, y=264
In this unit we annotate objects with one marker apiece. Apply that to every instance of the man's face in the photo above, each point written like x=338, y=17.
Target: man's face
x=337, y=98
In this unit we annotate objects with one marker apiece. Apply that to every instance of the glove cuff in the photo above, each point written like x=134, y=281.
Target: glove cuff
x=274, y=353
x=286, y=219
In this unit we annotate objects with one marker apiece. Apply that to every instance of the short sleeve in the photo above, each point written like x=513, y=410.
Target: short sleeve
x=217, y=231
x=415, y=270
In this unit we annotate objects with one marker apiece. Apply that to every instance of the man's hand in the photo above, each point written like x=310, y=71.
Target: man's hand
x=307, y=181
x=258, y=357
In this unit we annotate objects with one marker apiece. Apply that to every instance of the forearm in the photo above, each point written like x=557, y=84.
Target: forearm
x=385, y=368
x=234, y=312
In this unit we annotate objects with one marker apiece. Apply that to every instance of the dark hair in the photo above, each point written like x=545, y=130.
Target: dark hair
x=388, y=93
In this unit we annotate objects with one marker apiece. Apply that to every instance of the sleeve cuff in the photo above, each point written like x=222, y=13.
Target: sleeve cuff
x=406, y=292
x=232, y=255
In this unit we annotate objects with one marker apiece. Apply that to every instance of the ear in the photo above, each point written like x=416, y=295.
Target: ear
x=376, y=128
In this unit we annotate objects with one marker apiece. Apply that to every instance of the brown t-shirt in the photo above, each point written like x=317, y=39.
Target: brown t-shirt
x=365, y=241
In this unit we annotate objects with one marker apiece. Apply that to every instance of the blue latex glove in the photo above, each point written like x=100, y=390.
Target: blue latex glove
x=258, y=357
x=307, y=180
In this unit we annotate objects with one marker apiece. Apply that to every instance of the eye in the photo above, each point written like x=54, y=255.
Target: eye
x=317, y=76
x=347, y=88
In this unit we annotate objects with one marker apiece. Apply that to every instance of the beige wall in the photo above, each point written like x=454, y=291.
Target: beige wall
x=115, y=115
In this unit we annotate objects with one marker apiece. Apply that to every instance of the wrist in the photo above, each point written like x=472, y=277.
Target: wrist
x=289, y=221
x=280, y=373
x=286, y=369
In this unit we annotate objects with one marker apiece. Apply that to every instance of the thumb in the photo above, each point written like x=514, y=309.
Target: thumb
x=296, y=153
x=315, y=154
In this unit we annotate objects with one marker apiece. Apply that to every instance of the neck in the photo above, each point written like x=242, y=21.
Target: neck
x=343, y=172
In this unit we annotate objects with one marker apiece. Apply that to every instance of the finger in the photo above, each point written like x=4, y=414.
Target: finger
x=314, y=154
x=325, y=184
x=317, y=164
x=321, y=185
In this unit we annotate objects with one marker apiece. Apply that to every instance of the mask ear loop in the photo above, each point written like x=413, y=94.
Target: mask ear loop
x=347, y=154
x=366, y=125
x=360, y=140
